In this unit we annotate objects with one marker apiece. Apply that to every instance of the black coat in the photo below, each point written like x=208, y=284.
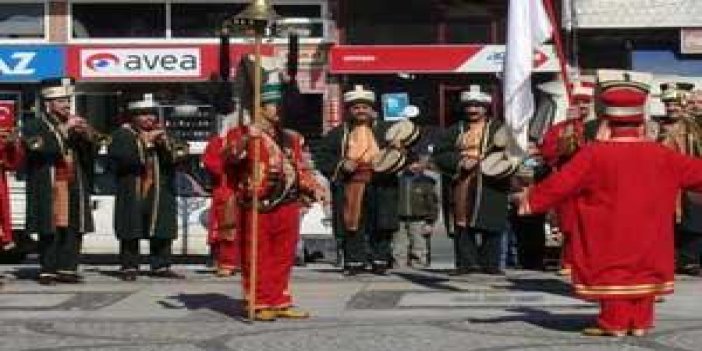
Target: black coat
x=138, y=215
x=381, y=194
x=45, y=146
x=491, y=199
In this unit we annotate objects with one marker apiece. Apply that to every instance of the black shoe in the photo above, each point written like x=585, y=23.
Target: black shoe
x=46, y=279
x=692, y=270
x=129, y=276
x=69, y=278
x=379, y=270
x=493, y=271
x=166, y=273
x=351, y=271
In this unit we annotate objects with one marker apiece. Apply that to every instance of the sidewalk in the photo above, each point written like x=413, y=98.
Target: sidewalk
x=407, y=310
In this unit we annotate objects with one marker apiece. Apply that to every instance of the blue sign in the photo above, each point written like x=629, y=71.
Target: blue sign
x=30, y=63
x=394, y=105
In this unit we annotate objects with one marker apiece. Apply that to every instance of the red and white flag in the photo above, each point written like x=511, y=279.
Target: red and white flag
x=528, y=27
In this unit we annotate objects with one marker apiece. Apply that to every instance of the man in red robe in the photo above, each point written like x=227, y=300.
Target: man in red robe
x=560, y=142
x=625, y=193
x=222, y=230
x=10, y=158
x=285, y=182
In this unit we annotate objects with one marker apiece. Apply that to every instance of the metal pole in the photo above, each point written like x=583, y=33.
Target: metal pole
x=256, y=175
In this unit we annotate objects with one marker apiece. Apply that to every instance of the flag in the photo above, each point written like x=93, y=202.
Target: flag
x=528, y=27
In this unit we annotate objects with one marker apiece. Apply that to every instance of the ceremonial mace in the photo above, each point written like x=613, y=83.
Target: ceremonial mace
x=256, y=17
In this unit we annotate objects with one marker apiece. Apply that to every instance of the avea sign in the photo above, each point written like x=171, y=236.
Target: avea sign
x=140, y=62
x=19, y=63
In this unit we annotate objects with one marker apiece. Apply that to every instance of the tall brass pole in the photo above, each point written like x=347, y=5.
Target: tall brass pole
x=257, y=16
x=256, y=175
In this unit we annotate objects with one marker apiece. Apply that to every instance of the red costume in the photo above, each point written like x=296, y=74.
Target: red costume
x=222, y=234
x=286, y=177
x=11, y=155
x=559, y=144
x=624, y=191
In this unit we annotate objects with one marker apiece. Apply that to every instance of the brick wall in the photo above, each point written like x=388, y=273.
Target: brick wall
x=58, y=21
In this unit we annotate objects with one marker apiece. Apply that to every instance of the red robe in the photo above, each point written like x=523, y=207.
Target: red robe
x=222, y=192
x=553, y=153
x=11, y=156
x=279, y=221
x=222, y=229
x=625, y=195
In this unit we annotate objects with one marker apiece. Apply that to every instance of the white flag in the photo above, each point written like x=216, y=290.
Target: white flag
x=528, y=27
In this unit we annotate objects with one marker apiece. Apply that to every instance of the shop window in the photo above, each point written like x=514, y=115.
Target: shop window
x=119, y=20
x=382, y=22
x=22, y=20
x=306, y=20
x=192, y=20
x=468, y=32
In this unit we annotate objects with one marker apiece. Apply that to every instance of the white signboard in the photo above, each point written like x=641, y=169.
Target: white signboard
x=140, y=62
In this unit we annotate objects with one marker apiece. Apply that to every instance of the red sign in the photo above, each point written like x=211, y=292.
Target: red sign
x=7, y=114
x=430, y=59
x=393, y=59
x=149, y=62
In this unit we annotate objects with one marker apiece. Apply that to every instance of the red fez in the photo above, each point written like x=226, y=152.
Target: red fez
x=624, y=103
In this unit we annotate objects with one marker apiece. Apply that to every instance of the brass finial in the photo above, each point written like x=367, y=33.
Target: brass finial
x=258, y=14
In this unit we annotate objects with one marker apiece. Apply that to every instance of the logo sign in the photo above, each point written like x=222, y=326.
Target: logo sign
x=140, y=62
x=394, y=105
x=20, y=63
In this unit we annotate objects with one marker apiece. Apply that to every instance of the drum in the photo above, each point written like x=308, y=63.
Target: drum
x=497, y=165
x=403, y=132
x=389, y=160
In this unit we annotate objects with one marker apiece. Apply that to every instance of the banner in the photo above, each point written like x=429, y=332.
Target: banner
x=392, y=59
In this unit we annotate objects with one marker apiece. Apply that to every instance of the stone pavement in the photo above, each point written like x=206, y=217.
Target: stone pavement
x=407, y=310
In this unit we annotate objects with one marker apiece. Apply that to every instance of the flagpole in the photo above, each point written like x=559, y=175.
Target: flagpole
x=551, y=12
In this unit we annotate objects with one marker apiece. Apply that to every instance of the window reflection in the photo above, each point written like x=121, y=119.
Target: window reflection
x=21, y=21
x=119, y=20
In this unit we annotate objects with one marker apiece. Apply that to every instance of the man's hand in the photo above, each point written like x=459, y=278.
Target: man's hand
x=521, y=200
x=349, y=165
x=468, y=163
x=254, y=131
x=321, y=195
x=75, y=122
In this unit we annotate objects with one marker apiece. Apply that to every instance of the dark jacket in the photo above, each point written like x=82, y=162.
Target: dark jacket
x=45, y=146
x=491, y=200
x=144, y=215
x=381, y=193
x=418, y=197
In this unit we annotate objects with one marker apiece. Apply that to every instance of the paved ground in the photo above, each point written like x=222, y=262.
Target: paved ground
x=408, y=310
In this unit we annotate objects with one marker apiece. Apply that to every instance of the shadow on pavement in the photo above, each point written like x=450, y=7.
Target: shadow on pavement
x=543, y=319
x=220, y=303
x=426, y=280
x=546, y=285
